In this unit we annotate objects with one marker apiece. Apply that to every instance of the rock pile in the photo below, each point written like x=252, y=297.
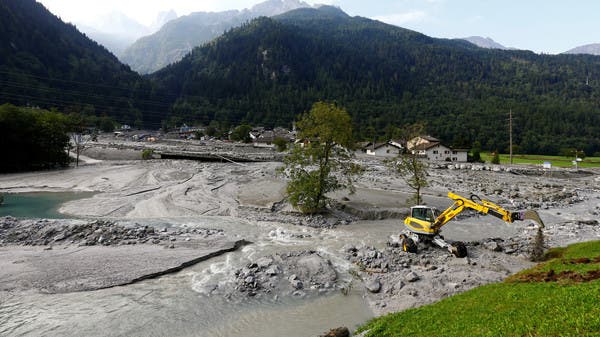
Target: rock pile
x=295, y=273
x=393, y=258
x=100, y=232
x=328, y=220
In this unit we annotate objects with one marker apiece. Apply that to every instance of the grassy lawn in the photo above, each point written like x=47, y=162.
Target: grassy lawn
x=532, y=159
x=523, y=305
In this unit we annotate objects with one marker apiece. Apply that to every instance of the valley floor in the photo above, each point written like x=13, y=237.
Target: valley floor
x=291, y=256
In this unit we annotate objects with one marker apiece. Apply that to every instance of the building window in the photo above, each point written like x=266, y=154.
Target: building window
x=454, y=159
x=435, y=152
x=454, y=152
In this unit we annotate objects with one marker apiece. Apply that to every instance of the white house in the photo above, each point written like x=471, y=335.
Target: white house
x=440, y=152
x=389, y=149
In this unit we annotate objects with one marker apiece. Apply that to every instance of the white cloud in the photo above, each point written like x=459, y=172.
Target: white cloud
x=403, y=18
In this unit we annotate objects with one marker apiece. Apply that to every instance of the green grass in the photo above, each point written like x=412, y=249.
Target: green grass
x=509, y=308
x=532, y=159
x=562, y=258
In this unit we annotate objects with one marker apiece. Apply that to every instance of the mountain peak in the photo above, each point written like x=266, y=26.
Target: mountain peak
x=318, y=12
x=275, y=7
x=484, y=42
x=161, y=19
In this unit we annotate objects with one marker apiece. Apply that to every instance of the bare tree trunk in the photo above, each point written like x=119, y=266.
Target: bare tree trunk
x=77, y=160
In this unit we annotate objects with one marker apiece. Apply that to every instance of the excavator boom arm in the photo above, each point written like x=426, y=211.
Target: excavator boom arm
x=481, y=206
x=431, y=226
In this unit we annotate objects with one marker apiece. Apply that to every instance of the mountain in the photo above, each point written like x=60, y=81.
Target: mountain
x=178, y=37
x=485, y=42
x=591, y=49
x=116, y=31
x=161, y=19
x=48, y=63
x=115, y=43
x=270, y=70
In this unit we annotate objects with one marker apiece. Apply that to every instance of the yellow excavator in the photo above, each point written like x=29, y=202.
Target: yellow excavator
x=424, y=225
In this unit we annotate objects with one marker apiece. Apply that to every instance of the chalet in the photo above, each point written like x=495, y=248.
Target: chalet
x=389, y=149
x=433, y=149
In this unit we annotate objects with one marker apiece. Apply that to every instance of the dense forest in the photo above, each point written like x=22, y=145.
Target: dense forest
x=47, y=63
x=270, y=70
x=32, y=139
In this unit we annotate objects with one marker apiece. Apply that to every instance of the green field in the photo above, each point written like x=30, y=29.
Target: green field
x=532, y=159
x=560, y=297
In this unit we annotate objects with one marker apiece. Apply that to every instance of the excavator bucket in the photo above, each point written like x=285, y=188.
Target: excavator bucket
x=532, y=215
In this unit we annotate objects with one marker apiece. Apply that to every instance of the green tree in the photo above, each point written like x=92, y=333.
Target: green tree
x=280, y=143
x=323, y=164
x=475, y=153
x=211, y=131
x=411, y=168
x=242, y=133
x=495, y=158
x=32, y=139
x=106, y=124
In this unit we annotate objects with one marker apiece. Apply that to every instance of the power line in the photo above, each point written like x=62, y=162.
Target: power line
x=81, y=93
x=80, y=82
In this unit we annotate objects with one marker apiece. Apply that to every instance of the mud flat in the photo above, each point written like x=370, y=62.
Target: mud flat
x=70, y=269
x=61, y=256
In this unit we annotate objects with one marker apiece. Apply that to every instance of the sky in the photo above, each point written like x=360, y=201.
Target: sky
x=550, y=26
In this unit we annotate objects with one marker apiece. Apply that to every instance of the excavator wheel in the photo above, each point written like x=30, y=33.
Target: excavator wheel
x=408, y=245
x=459, y=249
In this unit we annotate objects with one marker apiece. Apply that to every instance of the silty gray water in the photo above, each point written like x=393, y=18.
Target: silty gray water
x=182, y=305
x=178, y=304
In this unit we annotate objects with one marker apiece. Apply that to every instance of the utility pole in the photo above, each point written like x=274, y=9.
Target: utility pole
x=510, y=149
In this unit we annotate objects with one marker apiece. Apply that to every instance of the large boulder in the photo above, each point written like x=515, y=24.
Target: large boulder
x=374, y=286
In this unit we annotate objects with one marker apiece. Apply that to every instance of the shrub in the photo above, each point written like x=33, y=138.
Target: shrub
x=147, y=154
x=496, y=158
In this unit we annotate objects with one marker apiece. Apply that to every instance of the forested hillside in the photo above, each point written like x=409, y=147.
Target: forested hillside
x=45, y=62
x=270, y=70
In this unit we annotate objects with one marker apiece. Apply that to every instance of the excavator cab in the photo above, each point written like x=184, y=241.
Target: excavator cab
x=422, y=213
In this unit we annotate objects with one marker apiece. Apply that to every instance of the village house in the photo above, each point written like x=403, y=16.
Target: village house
x=188, y=132
x=264, y=138
x=388, y=149
x=432, y=149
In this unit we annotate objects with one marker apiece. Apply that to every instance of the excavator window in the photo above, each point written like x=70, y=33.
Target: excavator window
x=425, y=214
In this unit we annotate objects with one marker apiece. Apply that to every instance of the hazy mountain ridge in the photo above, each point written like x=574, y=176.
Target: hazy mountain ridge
x=178, y=37
x=591, y=49
x=485, y=42
x=116, y=31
